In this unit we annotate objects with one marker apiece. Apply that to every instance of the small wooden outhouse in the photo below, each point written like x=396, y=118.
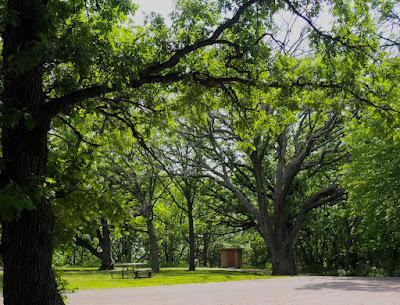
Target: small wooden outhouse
x=231, y=258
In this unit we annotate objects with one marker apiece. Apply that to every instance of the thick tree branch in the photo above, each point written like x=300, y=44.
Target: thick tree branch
x=153, y=73
x=179, y=54
x=325, y=35
x=78, y=134
x=329, y=195
x=79, y=241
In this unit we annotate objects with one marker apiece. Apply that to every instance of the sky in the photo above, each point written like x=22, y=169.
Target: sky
x=163, y=7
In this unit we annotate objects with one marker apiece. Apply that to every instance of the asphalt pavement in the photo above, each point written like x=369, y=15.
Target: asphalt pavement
x=299, y=290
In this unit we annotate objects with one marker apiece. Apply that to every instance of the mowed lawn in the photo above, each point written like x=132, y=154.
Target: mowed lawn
x=78, y=279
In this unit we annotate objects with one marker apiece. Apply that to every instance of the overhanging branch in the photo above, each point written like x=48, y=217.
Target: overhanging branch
x=152, y=73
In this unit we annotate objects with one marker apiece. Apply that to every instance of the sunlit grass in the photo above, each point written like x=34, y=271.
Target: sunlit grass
x=90, y=279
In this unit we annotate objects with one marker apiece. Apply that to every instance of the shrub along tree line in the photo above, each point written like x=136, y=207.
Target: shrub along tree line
x=110, y=127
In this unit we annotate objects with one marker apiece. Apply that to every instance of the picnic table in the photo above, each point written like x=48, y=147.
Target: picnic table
x=131, y=270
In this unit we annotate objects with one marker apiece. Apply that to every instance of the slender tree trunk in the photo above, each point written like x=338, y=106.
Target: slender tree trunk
x=192, y=243
x=82, y=256
x=206, y=242
x=167, y=253
x=155, y=258
x=126, y=249
x=179, y=258
x=74, y=257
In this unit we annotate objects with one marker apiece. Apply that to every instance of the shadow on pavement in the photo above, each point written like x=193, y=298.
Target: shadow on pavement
x=357, y=284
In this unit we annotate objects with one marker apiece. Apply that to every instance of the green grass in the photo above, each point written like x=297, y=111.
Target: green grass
x=90, y=279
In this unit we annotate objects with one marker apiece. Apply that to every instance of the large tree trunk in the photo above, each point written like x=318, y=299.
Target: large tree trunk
x=105, y=244
x=27, y=256
x=106, y=262
x=192, y=243
x=281, y=245
x=154, y=255
x=27, y=239
x=283, y=259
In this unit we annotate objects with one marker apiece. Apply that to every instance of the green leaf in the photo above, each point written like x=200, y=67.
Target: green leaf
x=13, y=200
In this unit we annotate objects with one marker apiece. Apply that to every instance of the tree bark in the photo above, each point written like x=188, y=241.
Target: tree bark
x=192, y=242
x=74, y=257
x=27, y=256
x=283, y=260
x=154, y=255
x=206, y=243
x=282, y=249
x=105, y=244
x=27, y=238
x=167, y=255
x=106, y=261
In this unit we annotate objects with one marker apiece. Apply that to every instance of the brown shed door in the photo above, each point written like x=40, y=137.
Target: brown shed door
x=230, y=258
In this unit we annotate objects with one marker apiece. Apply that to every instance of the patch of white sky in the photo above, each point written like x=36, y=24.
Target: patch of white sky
x=289, y=27
x=163, y=7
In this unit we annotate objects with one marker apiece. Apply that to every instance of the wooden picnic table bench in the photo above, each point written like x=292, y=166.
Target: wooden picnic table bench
x=142, y=273
x=131, y=270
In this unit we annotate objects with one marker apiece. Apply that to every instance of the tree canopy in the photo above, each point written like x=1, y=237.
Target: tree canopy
x=221, y=126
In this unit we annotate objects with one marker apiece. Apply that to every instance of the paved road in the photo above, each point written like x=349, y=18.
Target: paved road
x=301, y=290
